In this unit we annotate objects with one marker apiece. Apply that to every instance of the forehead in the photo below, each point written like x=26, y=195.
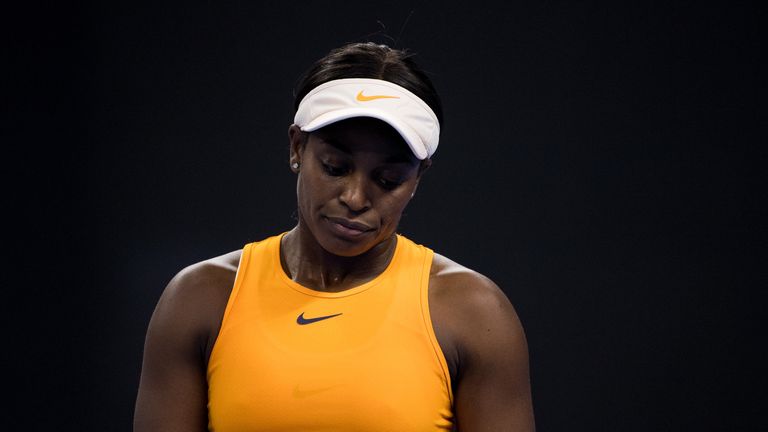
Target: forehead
x=364, y=135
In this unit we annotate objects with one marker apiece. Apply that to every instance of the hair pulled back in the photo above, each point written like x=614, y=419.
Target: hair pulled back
x=371, y=60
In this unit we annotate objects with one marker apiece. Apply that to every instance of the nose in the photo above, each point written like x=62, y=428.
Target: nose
x=354, y=194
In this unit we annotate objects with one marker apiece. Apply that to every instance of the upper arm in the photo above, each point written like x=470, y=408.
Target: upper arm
x=492, y=388
x=172, y=393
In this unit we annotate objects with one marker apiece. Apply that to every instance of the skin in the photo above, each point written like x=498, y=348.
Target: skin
x=355, y=178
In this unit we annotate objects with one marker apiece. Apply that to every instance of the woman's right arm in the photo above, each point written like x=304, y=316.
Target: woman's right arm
x=173, y=389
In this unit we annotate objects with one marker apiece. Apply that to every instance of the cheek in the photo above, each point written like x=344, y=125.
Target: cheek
x=304, y=196
x=393, y=207
x=313, y=192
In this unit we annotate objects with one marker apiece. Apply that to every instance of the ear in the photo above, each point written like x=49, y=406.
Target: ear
x=423, y=166
x=297, y=140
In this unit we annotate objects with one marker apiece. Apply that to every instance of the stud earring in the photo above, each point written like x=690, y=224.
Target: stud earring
x=295, y=165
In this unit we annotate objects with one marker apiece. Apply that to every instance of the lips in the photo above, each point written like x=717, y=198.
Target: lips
x=348, y=228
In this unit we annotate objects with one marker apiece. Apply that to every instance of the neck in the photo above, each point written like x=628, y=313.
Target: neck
x=306, y=262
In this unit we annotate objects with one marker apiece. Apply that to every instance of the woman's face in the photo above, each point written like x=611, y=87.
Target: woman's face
x=355, y=179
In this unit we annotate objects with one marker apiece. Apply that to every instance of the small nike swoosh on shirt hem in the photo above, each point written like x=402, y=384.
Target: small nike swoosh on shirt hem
x=300, y=394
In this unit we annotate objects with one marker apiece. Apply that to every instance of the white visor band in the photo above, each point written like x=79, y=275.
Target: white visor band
x=363, y=97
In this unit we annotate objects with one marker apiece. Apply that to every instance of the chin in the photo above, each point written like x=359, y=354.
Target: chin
x=339, y=241
x=344, y=247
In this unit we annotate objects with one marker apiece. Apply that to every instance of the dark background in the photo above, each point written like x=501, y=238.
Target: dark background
x=602, y=162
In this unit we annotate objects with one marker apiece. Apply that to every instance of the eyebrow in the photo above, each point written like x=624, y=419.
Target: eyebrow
x=398, y=158
x=337, y=145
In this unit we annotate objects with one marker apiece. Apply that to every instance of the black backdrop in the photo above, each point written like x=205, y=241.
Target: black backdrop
x=600, y=161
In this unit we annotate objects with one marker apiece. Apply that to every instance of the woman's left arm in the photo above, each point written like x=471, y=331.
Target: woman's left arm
x=492, y=388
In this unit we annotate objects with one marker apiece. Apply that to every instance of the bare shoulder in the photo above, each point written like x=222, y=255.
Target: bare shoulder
x=466, y=291
x=202, y=282
x=205, y=277
x=472, y=317
x=194, y=300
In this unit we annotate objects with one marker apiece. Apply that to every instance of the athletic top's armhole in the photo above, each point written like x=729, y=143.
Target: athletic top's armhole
x=242, y=266
x=439, y=355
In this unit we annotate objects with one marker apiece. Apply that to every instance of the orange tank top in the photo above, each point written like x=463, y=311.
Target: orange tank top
x=289, y=358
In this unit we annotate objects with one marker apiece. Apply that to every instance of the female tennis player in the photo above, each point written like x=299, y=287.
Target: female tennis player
x=341, y=324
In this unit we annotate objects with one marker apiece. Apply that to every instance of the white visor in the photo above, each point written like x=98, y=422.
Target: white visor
x=363, y=97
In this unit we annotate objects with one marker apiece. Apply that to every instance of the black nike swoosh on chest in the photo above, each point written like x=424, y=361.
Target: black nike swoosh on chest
x=304, y=321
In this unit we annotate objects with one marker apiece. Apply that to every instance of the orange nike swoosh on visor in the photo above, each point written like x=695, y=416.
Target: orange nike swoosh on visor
x=363, y=98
